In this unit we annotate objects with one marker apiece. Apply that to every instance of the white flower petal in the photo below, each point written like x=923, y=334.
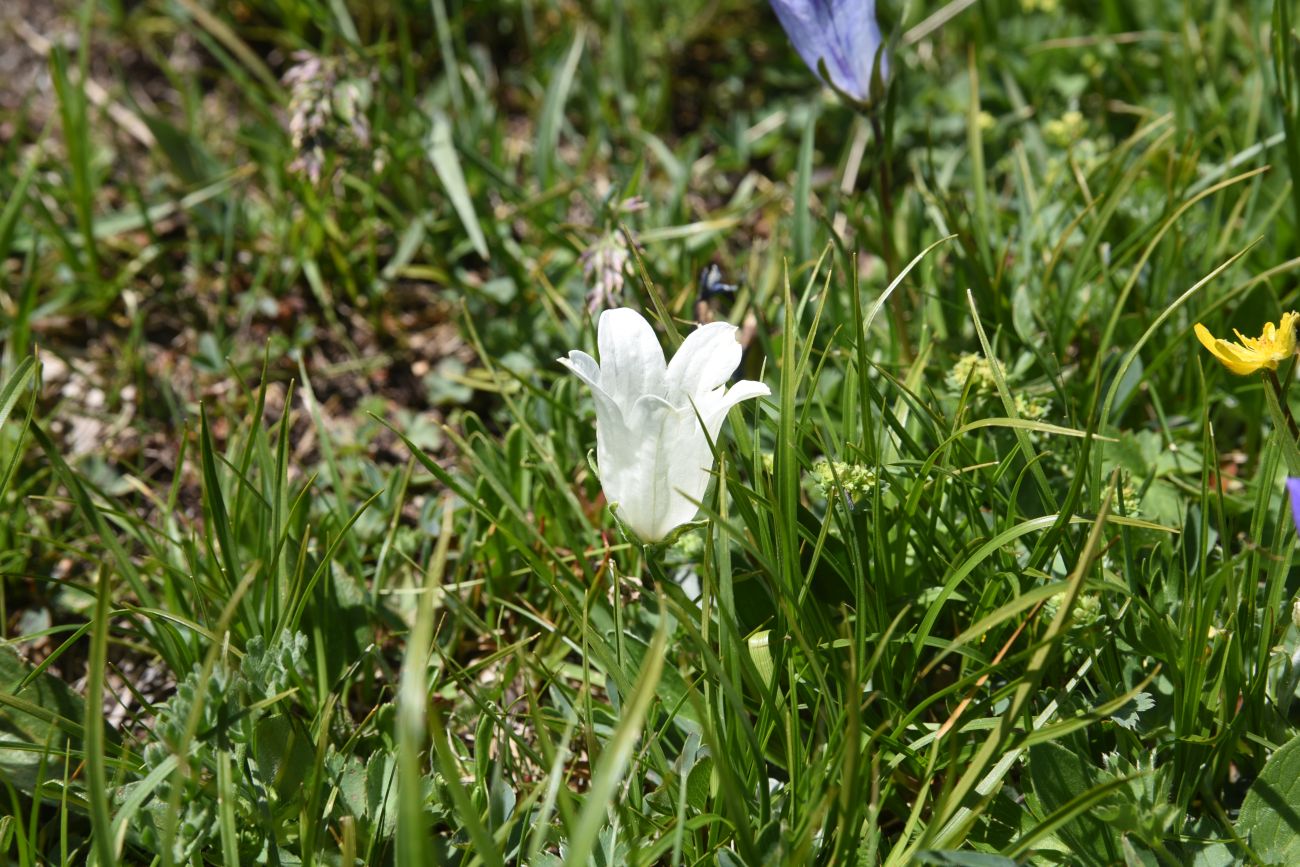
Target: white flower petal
x=717, y=411
x=652, y=453
x=706, y=359
x=631, y=360
x=635, y=473
x=583, y=366
x=675, y=461
x=689, y=469
x=615, y=443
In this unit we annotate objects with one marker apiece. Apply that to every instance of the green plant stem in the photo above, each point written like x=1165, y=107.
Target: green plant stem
x=1282, y=418
x=885, y=190
x=93, y=723
x=618, y=613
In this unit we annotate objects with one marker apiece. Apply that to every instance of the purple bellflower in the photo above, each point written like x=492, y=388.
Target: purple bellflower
x=842, y=33
x=1293, y=490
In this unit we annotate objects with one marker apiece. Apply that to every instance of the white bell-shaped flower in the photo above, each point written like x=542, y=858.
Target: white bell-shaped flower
x=651, y=451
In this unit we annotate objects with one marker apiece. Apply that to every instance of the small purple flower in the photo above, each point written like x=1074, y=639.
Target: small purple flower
x=843, y=33
x=1293, y=489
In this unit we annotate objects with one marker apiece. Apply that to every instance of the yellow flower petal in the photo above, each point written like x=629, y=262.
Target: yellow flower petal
x=1276, y=343
x=1287, y=328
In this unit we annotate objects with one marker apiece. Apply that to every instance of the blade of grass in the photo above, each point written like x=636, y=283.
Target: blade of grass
x=442, y=153
x=413, y=727
x=557, y=94
x=97, y=790
x=946, y=827
x=614, y=759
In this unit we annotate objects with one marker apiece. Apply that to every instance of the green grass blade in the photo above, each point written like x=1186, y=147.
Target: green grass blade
x=97, y=790
x=616, y=755
x=442, y=153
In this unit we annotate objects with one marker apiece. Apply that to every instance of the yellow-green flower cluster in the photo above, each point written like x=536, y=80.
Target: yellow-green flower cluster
x=976, y=368
x=1130, y=499
x=854, y=479
x=1087, y=609
x=1065, y=130
x=1031, y=407
x=690, y=545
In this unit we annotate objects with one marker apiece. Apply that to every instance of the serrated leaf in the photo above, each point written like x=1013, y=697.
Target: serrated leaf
x=1135, y=856
x=1128, y=715
x=351, y=785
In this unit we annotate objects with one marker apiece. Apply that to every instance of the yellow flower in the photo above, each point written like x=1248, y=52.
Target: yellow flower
x=1277, y=343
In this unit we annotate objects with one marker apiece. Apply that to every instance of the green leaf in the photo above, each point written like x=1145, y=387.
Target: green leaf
x=1270, y=818
x=14, y=386
x=760, y=652
x=189, y=159
x=803, y=190
x=617, y=755
x=93, y=721
x=379, y=781
x=14, y=201
x=282, y=753
x=950, y=858
x=32, y=719
x=1213, y=855
x=557, y=94
x=1058, y=776
x=442, y=153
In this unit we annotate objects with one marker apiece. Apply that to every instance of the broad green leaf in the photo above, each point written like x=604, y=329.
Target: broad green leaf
x=1058, y=775
x=1270, y=815
x=948, y=858
x=37, y=717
